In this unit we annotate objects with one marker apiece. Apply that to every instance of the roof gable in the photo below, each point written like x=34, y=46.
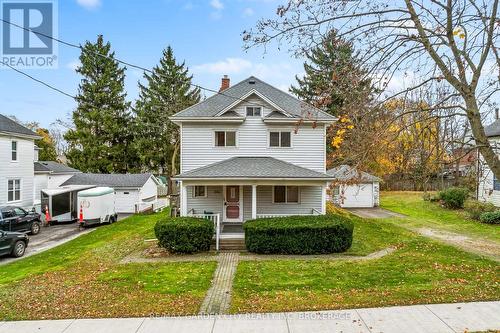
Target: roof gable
x=220, y=103
x=54, y=167
x=347, y=173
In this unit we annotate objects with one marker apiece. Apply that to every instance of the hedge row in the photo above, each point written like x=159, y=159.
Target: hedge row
x=184, y=234
x=299, y=234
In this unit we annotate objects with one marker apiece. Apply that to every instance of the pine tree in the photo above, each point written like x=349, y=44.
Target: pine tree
x=167, y=90
x=101, y=140
x=333, y=76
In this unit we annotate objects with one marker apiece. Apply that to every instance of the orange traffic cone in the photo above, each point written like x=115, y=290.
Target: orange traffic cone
x=47, y=215
x=81, y=213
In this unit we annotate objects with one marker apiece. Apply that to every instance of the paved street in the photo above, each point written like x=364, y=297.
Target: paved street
x=459, y=317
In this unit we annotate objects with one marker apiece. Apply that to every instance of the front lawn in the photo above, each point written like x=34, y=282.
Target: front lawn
x=83, y=278
x=430, y=215
x=419, y=271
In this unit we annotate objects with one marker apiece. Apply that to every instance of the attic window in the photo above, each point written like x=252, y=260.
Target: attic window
x=253, y=111
x=251, y=82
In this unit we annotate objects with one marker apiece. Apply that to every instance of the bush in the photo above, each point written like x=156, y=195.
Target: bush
x=490, y=217
x=184, y=234
x=299, y=234
x=475, y=208
x=453, y=197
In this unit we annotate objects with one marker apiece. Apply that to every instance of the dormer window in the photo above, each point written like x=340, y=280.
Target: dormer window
x=254, y=111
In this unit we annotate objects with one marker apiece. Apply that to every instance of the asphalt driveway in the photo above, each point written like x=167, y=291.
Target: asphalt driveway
x=48, y=238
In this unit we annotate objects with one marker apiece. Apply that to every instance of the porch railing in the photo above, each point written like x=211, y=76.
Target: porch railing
x=215, y=218
x=263, y=216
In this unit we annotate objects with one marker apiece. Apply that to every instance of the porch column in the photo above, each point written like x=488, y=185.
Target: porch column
x=183, y=199
x=254, y=202
x=323, y=199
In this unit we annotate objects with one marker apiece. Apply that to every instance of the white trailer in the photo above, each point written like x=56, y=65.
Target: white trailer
x=96, y=206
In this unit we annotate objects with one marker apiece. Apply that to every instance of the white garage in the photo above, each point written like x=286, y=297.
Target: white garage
x=134, y=192
x=353, y=189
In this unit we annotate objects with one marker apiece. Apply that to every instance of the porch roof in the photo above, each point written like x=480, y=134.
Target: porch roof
x=253, y=168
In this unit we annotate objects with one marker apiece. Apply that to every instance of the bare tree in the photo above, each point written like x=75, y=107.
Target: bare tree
x=452, y=42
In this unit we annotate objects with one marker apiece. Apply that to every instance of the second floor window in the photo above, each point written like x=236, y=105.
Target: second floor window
x=225, y=139
x=280, y=139
x=253, y=111
x=14, y=150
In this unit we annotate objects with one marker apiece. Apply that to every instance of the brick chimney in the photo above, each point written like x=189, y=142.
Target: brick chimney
x=225, y=83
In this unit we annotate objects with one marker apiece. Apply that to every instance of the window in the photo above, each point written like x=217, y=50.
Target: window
x=286, y=194
x=7, y=213
x=253, y=111
x=19, y=211
x=225, y=139
x=14, y=151
x=14, y=190
x=496, y=184
x=200, y=192
x=280, y=139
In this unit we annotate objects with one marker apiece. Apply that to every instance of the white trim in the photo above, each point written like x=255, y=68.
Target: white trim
x=240, y=204
x=271, y=130
x=253, y=115
x=254, y=201
x=286, y=195
x=12, y=150
x=184, y=204
x=22, y=136
x=323, y=199
x=193, y=194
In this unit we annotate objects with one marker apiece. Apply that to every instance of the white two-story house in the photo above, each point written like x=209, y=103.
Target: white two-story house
x=17, y=154
x=252, y=151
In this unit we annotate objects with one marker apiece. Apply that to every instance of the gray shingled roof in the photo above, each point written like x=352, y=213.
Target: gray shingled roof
x=8, y=125
x=346, y=173
x=218, y=102
x=493, y=129
x=53, y=167
x=112, y=180
x=252, y=167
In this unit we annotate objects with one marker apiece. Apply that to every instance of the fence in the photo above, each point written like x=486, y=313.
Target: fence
x=412, y=185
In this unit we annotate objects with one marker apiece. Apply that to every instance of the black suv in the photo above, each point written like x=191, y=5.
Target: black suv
x=17, y=219
x=13, y=243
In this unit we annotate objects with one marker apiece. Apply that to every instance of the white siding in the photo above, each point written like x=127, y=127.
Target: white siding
x=485, y=191
x=56, y=180
x=149, y=190
x=125, y=200
x=21, y=169
x=198, y=146
x=41, y=183
x=310, y=197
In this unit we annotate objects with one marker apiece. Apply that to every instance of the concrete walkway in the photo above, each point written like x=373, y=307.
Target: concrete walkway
x=460, y=317
x=373, y=213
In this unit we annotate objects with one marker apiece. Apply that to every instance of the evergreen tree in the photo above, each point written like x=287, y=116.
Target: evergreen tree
x=333, y=76
x=101, y=140
x=167, y=90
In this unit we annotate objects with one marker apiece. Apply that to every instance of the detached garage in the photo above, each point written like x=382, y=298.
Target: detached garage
x=352, y=189
x=134, y=192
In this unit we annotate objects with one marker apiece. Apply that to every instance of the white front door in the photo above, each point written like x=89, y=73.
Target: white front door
x=233, y=206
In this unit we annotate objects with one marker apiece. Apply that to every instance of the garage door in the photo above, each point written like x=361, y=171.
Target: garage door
x=125, y=201
x=358, y=196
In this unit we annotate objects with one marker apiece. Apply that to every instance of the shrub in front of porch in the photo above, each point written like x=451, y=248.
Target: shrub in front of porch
x=299, y=234
x=184, y=234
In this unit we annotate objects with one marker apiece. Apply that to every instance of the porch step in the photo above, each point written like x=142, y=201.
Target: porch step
x=233, y=244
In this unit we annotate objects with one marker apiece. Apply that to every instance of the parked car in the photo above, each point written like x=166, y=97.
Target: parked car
x=17, y=219
x=13, y=243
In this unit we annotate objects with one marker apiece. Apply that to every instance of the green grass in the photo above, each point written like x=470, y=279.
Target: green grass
x=419, y=271
x=83, y=278
x=430, y=215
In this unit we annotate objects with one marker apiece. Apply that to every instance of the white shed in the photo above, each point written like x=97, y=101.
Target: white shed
x=352, y=189
x=134, y=192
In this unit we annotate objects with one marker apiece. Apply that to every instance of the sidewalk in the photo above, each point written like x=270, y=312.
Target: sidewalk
x=459, y=317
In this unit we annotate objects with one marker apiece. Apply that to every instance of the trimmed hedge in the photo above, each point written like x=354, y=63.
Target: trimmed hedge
x=299, y=234
x=490, y=217
x=453, y=197
x=184, y=234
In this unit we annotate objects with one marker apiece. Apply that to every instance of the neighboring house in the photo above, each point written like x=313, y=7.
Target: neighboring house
x=464, y=162
x=134, y=192
x=50, y=175
x=17, y=154
x=351, y=188
x=252, y=151
x=488, y=189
